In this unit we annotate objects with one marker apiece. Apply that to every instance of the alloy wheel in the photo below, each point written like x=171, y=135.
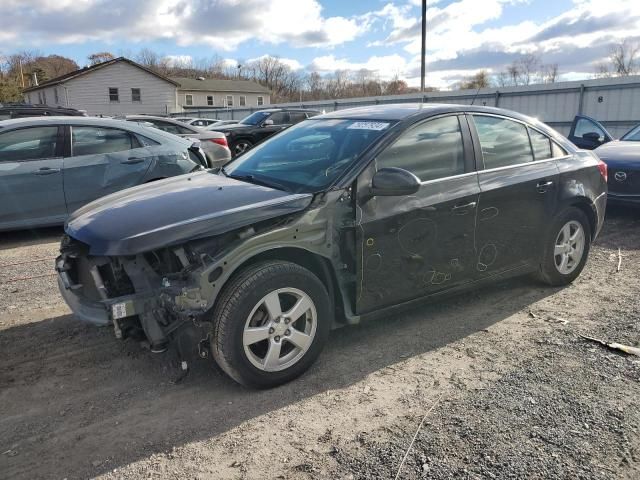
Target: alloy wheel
x=240, y=147
x=280, y=329
x=569, y=247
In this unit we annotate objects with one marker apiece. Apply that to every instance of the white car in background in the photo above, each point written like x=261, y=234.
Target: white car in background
x=197, y=122
x=213, y=143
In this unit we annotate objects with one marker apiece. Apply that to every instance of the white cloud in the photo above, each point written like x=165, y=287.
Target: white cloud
x=179, y=60
x=289, y=62
x=223, y=24
x=385, y=67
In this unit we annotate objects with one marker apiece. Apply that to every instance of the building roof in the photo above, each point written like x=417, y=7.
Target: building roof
x=92, y=68
x=219, y=85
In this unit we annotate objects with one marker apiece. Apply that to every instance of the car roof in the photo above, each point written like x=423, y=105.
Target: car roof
x=402, y=111
x=154, y=133
x=61, y=119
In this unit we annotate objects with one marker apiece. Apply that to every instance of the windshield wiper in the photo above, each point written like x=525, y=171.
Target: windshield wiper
x=258, y=181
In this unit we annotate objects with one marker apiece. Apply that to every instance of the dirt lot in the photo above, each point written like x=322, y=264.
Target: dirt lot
x=509, y=389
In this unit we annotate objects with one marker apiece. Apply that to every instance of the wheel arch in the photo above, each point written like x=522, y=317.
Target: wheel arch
x=589, y=209
x=318, y=265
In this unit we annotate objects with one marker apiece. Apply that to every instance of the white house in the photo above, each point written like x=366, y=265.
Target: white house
x=122, y=86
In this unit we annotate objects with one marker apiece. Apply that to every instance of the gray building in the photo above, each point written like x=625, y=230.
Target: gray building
x=122, y=86
x=216, y=93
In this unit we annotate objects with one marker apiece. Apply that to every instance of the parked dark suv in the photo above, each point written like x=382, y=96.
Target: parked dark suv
x=262, y=124
x=23, y=110
x=340, y=217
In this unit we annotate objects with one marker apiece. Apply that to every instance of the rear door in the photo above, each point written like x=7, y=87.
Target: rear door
x=411, y=246
x=102, y=161
x=518, y=192
x=31, y=177
x=588, y=133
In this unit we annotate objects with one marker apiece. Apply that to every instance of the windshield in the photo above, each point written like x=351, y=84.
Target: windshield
x=633, y=135
x=309, y=156
x=255, y=118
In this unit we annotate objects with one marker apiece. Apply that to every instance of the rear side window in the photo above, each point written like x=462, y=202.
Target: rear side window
x=541, y=145
x=97, y=140
x=558, y=151
x=431, y=150
x=297, y=117
x=170, y=127
x=503, y=142
x=28, y=144
x=146, y=141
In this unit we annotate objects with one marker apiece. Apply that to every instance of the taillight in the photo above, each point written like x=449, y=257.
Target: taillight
x=220, y=141
x=603, y=169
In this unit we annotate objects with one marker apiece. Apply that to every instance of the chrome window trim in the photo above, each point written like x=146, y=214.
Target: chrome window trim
x=526, y=125
x=460, y=175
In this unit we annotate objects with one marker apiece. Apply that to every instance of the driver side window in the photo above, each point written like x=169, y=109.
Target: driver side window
x=280, y=118
x=430, y=150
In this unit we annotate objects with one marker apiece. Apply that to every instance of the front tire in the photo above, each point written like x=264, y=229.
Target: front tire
x=566, y=248
x=270, y=324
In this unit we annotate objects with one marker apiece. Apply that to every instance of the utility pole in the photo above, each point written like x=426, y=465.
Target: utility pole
x=424, y=41
x=21, y=74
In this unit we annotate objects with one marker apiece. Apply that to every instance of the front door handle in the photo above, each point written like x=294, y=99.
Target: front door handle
x=542, y=186
x=132, y=160
x=463, y=209
x=46, y=171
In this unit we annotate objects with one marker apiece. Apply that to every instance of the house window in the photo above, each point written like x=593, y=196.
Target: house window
x=44, y=97
x=136, y=96
x=243, y=100
x=113, y=95
x=210, y=100
x=55, y=95
x=260, y=101
x=188, y=99
x=229, y=100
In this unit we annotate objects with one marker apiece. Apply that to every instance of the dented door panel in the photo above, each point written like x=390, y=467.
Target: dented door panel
x=87, y=177
x=416, y=245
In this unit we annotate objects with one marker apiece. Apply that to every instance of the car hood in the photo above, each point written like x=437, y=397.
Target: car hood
x=175, y=210
x=232, y=128
x=619, y=152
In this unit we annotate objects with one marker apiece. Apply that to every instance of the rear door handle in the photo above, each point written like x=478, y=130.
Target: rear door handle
x=46, y=171
x=542, y=186
x=132, y=160
x=463, y=209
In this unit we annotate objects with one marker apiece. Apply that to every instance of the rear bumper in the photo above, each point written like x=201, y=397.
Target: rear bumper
x=617, y=199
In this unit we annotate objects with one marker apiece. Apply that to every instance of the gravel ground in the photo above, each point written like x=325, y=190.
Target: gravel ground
x=508, y=388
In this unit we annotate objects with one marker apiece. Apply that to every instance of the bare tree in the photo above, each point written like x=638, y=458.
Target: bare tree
x=549, y=73
x=624, y=57
x=100, y=57
x=479, y=80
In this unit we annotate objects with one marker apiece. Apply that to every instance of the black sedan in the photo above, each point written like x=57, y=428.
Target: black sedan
x=260, y=125
x=339, y=218
x=623, y=159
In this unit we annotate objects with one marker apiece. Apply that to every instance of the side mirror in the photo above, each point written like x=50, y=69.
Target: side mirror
x=592, y=137
x=394, y=182
x=267, y=122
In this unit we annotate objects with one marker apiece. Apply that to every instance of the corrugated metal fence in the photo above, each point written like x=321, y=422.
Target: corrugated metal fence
x=613, y=101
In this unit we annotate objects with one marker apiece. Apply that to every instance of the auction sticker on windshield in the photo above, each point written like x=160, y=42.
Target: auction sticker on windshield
x=368, y=126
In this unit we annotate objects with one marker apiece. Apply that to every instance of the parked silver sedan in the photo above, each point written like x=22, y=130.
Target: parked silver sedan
x=213, y=143
x=51, y=166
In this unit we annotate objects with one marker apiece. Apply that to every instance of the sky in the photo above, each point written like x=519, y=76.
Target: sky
x=383, y=36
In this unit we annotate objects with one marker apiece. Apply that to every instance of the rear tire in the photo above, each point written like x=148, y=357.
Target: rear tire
x=270, y=324
x=566, y=248
x=240, y=146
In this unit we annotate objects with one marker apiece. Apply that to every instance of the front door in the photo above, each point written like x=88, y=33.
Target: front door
x=411, y=246
x=588, y=133
x=518, y=192
x=102, y=161
x=276, y=122
x=31, y=177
